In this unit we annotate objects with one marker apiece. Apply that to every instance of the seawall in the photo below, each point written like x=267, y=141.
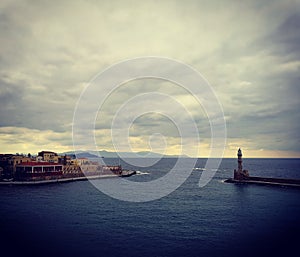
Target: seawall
x=60, y=180
x=295, y=183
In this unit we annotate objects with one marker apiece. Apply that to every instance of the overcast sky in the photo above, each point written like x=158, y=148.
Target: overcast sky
x=248, y=51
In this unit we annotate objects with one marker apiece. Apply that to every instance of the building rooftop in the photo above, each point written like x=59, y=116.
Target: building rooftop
x=42, y=152
x=39, y=164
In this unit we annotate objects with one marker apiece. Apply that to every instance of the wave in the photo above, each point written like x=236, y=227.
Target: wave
x=199, y=169
x=142, y=173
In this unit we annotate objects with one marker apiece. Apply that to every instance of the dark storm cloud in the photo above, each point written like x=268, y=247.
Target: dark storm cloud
x=10, y=99
x=13, y=34
x=285, y=41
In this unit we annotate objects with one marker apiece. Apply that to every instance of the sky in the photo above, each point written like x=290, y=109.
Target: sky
x=248, y=51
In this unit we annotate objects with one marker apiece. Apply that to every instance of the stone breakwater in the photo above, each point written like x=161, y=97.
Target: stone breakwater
x=267, y=181
x=241, y=176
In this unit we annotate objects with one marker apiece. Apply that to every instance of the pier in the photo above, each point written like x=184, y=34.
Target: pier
x=241, y=176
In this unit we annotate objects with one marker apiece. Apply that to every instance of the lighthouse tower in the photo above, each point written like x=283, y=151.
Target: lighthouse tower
x=240, y=160
x=240, y=174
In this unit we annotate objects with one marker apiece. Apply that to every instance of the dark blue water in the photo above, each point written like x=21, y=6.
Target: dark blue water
x=75, y=219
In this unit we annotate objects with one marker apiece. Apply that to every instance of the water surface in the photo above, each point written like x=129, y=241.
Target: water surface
x=75, y=219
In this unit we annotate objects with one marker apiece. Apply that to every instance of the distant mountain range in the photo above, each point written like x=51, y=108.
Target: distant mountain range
x=107, y=154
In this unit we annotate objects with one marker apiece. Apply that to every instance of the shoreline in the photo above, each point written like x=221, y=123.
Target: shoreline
x=60, y=180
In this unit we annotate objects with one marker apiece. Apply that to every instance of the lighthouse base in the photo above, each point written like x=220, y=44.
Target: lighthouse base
x=241, y=174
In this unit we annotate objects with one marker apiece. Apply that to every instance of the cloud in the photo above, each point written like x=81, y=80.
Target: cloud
x=286, y=38
x=248, y=51
x=24, y=140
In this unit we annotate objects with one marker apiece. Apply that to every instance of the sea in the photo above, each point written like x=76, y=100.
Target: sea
x=219, y=219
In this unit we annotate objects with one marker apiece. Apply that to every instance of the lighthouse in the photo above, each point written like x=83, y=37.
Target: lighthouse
x=240, y=160
x=242, y=177
x=240, y=174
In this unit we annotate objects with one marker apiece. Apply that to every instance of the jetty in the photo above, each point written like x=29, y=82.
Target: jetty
x=242, y=176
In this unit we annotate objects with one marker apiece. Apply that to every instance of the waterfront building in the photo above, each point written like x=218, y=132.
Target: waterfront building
x=38, y=170
x=49, y=156
x=8, y=163
x=38, y=158
x=49, y=165
x=19, y=159
x=5, y=162
x=82, y=161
